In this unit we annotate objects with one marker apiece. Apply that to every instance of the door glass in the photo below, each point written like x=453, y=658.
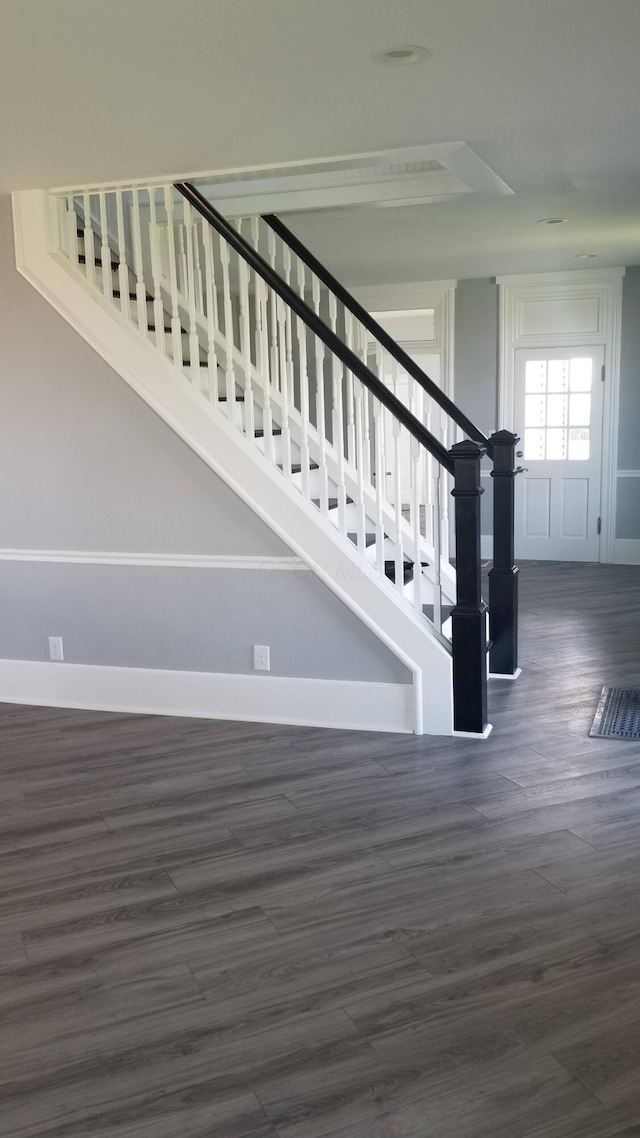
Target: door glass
x=557, y=409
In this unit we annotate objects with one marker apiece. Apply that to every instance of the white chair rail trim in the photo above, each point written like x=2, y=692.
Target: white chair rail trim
x=251, y=563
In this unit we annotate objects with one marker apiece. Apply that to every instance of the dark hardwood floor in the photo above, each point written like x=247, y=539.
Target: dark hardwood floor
x=222, y=930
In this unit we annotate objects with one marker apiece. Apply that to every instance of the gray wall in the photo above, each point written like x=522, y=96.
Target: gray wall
x=628, y=519
x=476, y=351
x=476, y=366
x=86, y=465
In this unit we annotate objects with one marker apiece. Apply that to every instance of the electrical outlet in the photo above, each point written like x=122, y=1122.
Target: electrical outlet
x=261, y=658
x=55, y=648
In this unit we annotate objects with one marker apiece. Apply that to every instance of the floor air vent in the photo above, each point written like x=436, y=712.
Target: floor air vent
x=618, y=714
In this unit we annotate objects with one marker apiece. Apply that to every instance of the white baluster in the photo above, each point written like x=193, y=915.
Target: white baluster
x=301, y=341
x=181, y=258
x=272, y=311
x=416, y=476
x=154, y=245
x=437, y=549
x=286, y=360
x=351, y=422
x=229, y=371
x=198, y=225
x=105, y=248
x=176, y=327
x=360, y=462
x=89, y=246
x=123, y=268
x=141, y=291
x=254, y=227
x=446, y=487
x=194, y=341
x=397, y=481
x=245, y=348
x=321, y=422
x=72, y=231
x=366, y=405
x=265, y=367
x=380, y=475
x=212, y=311
x=338, y=442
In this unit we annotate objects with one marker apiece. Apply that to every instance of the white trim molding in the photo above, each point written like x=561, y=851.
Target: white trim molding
x=436, y=295
x=343, y=704
x=163, y=560
x=626, y=551
x=597, y=293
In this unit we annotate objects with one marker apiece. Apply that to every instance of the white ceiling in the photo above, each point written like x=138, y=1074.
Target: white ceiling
x=546, y=92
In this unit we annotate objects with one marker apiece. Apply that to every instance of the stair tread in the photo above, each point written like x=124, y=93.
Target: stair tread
x=332, y=502
x=82, y=260
x=369, y=539
x=260, y=433
x=296, y=467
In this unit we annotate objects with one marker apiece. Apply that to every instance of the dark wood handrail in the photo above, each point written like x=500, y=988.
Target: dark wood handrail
x=377, y=331
x=333, y=342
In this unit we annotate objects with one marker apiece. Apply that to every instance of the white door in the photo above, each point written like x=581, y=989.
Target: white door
x=558, y=402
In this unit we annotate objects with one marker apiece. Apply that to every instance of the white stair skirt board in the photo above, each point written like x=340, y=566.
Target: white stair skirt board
x=343, y=704
x=404, y=631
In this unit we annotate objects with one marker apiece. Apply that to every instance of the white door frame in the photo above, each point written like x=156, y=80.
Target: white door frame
x=438, y=295
x=582, y=308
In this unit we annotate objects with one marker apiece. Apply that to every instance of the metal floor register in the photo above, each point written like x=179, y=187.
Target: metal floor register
x=618, y=714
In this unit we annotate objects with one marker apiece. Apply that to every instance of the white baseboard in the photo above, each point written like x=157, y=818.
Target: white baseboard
x=343, y=704
x=626, y=551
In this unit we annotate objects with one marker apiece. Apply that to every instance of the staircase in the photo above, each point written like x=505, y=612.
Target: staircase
x=249, y=348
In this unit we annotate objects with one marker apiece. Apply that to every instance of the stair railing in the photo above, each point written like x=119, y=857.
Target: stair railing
x=301, y=392
x=301, y=268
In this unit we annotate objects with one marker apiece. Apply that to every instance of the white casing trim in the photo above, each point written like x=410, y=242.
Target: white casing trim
x=240, y=465
x=626, y=551
x=605, y=287
x=161, y=560
x=343, y=704
x=438, y=295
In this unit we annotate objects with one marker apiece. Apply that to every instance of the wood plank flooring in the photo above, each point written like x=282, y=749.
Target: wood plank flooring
x=223, y=930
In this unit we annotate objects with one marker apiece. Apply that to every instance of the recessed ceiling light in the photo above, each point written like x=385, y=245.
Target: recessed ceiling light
x=553, y=221
x=401, y=56
x=585, y=256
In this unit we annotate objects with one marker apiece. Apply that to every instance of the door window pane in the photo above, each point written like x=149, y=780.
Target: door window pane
x=558, y=375
x=534, y=444
x=556, y=443
x=535, y=376
x=534, y=410
x=556, y=410
x=579, y=444
x=580, y=410
x=581, y=375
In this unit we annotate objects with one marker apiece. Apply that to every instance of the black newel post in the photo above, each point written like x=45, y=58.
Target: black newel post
x=469, y=617
x=503, y=577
